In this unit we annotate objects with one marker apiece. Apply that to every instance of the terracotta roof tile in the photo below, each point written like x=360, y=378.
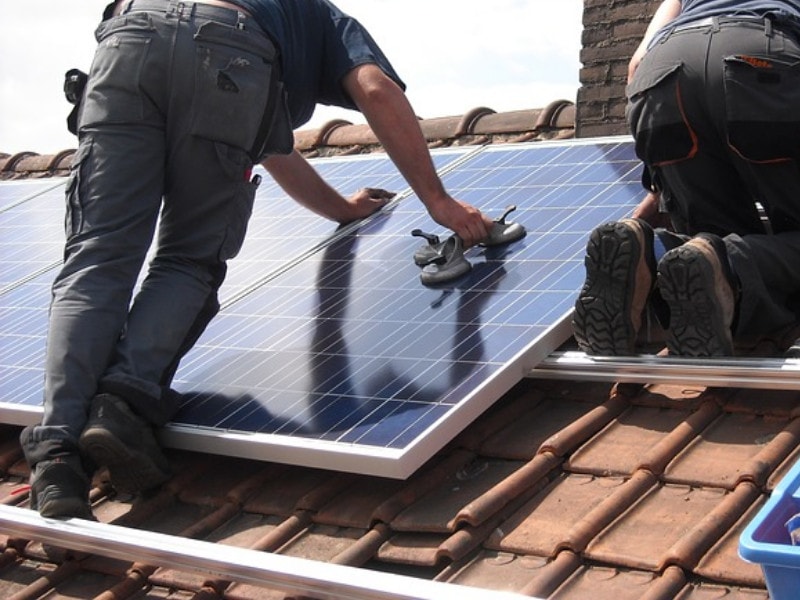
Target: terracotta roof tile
x=608, y=583
x=735, y=448
x=781, y=471
x=673, y=524
x=722, y=563
x=494, y=570
x=531, y=424
x=340, y=137
x=439, y=510
x=630, y=442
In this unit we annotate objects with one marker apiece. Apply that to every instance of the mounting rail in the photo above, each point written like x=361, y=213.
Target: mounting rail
x=760, y=373
x=321, y=580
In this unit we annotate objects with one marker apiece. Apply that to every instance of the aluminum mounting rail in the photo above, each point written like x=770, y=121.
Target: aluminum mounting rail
x=760, y=373
x=321, y=580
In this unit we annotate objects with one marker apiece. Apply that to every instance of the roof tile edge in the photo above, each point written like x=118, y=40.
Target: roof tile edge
x=338, y=137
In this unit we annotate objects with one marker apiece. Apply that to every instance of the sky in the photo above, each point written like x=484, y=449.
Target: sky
x=454, y=55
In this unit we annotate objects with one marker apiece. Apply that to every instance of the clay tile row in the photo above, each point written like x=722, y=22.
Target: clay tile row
x=339, y=137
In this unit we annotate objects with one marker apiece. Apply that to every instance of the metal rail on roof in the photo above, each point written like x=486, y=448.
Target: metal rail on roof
x=761, y=373
x=321, y=580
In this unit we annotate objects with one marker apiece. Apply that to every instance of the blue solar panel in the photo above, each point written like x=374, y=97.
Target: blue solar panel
x=31, y=248
x=281, y=232
x=348, y=351
x=17, y=191
x=329, y=352
x=31, y=230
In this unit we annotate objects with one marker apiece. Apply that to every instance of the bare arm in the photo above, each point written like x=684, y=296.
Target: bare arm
x=666, y=12
x=389, y=114
x=302, y=182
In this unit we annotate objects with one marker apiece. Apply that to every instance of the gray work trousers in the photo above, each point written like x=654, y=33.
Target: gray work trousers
x=175, y=98
x=714, y=108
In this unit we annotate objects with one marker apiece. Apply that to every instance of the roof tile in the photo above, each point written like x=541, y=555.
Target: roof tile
x=735, y=448
x=624, y=445
x=573, y=435
x=503, y=571
x=609, y=583
x=722, y=563
x=516, y=488
x=569, y=513
x=439, y=511
x=530, y=423
x=781, y=471
x=714, y=592
x=479, y=125
x=543, y=576
x=672, y=523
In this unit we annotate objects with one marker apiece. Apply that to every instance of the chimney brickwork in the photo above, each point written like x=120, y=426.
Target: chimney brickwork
x=612, y=29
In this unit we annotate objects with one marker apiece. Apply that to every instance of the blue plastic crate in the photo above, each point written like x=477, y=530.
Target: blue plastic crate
x=766, y=540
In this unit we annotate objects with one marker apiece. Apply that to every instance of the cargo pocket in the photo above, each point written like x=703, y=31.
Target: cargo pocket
x=73, y=221
x=112, y=90
x=233, y=72
x=762, y=107
x=655, y=117
x=235, y=161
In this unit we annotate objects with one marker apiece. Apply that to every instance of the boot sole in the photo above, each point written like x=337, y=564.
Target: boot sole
x=697, y=327
x=619, y=278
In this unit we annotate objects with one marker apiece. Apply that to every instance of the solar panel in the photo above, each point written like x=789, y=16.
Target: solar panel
x=329, y=352
x=280, y=232
x=17, y=191
x=31, y=248
x=30, y=212
x=346, y=361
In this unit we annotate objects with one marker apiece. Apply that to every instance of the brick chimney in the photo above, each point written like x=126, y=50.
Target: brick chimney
x=612, y=29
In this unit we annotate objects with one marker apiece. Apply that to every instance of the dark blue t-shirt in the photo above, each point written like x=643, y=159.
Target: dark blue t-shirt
x=697, y=10
x=319, y=45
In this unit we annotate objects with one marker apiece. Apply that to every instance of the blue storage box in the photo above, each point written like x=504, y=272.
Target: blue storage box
x=766, y=540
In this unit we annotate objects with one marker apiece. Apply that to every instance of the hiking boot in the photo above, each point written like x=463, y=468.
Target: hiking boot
x=116, y=438
x=620, y=273
x=699, y=286
x=60, y=489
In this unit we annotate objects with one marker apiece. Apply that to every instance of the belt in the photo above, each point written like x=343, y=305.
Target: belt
x=126, y=5
x=719, y=21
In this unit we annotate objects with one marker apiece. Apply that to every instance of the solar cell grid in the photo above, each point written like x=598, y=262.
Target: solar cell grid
x=280, y=231
x=31, y=246
x=17, y=191
x=329, y=351
x=349, y=347
x=35, y=214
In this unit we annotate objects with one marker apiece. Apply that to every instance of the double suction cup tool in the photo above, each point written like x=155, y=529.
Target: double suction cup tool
x=443, y=260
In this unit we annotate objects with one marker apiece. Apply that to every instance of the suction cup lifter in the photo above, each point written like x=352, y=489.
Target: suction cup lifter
x=447, y=264
x=427, y=252
x=502, y=232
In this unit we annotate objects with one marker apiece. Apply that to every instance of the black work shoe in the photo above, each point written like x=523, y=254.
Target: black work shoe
x=60, y=489
x=699, y=286
x=116, y=438
x=793, y=351
x=620, y=273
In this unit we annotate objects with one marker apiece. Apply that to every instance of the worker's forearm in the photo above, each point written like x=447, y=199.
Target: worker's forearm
x=394, y=123
x=302, y=182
